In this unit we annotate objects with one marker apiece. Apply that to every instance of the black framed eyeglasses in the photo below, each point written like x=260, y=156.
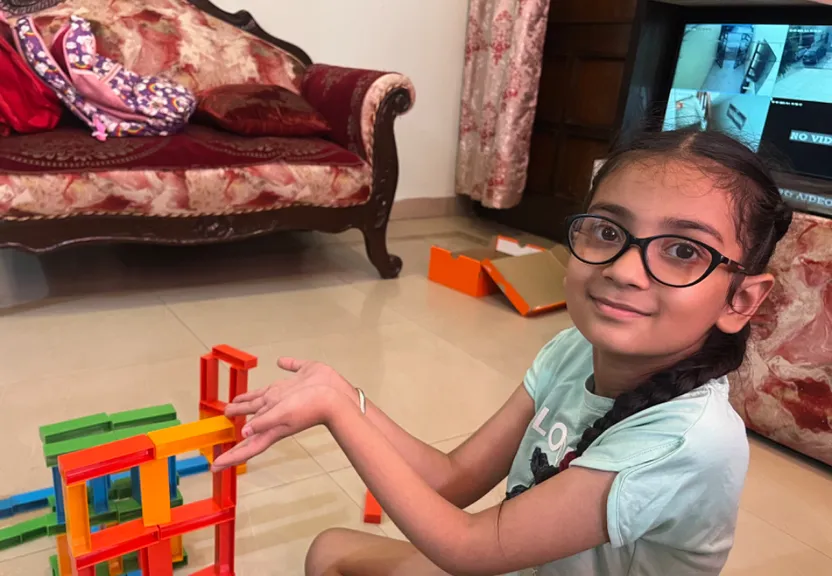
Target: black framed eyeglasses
x=672, y=260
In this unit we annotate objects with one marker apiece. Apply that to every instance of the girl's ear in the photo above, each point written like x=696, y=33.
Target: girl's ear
x=752, y=292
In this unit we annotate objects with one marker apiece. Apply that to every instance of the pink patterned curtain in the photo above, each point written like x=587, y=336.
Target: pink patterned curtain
x=503, y=58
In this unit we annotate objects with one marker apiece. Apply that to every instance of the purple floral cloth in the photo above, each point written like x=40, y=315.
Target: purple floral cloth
x=110, y=99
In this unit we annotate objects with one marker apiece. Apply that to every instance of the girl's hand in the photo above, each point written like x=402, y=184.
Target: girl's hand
x=306, y=399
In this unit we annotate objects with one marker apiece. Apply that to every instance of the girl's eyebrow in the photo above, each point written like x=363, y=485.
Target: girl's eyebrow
x=678, y=224
x=684, y=224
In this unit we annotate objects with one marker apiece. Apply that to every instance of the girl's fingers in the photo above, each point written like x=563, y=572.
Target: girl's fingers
x=240, y=408
x=292, y=364
x=247, y=450
x=249, y=396
x=274, y=417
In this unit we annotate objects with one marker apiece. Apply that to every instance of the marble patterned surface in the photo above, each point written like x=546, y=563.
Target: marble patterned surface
x=784, y=389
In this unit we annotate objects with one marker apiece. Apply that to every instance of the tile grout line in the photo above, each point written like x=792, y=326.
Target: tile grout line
x=784, y=531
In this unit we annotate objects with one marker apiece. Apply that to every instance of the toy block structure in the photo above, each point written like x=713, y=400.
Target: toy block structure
x=117, y=507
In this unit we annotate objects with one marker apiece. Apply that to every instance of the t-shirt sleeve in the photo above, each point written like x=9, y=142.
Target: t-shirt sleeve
x=541, y=374
x=666, y=474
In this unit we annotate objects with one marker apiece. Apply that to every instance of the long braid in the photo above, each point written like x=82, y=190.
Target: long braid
x=720, y=354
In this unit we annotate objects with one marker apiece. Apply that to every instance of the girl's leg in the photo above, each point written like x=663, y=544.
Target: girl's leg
x=341, y=552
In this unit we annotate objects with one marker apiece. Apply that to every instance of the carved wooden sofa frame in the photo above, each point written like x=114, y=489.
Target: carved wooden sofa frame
x=39, y=234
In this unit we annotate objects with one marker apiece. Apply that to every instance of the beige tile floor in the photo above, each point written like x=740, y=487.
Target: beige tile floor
x=107, y=329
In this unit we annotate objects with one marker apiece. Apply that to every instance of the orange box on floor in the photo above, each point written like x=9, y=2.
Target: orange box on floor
x=530, y=276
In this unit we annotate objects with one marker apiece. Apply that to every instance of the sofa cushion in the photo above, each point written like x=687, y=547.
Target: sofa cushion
x=200, y=171
x=256, y=110
x=172, y=38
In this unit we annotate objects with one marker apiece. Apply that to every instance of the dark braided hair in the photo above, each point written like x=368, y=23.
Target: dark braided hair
x=762, y=218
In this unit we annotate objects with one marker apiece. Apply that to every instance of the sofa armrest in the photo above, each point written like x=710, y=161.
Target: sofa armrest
x=350, y=100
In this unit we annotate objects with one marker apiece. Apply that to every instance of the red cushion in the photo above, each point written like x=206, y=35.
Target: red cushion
x=26, y=104
x=256, y=110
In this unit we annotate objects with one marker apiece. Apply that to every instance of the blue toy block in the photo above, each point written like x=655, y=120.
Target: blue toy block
x=6, y=507
x=191, y=466
x=31, y=500
x=100, y=494
x=172, y=476
x=136, y=484
x=59, y=495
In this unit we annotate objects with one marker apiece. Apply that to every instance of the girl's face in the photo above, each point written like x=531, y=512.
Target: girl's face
x=618, y=307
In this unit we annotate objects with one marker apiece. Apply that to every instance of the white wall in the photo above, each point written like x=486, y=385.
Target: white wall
x=424, y=40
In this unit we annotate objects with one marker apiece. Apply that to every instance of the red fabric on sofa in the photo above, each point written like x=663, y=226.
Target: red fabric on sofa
x=197, y=172
x=73, y=150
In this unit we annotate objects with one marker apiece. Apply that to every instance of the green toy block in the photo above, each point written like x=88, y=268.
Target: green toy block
x=102, y=569
x=128, y=509
x=53, y=450
x=121, y=488
x=131, y=562
x=23, y=531
x=76, y=428
x=143, y=416
x=53, y=564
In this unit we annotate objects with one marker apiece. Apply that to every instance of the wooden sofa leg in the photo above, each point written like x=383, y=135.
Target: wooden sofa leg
x=388, y=265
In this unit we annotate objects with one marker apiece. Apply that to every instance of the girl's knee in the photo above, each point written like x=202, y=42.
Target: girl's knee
x=326, y=549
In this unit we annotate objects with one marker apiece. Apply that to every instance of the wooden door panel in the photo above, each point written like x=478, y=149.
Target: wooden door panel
x=611, y=40
x=551, y=97
x=574, y=11
x=596, y=92
x=574, y=174
x=541, y=164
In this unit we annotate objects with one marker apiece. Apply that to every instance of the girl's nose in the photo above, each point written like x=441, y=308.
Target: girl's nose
x=628, y=270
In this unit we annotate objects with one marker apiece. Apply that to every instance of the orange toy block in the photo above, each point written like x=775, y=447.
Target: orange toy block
x=192, y=436
x=116, y=566
x=236, y=358
x=372, y=510
x=177, y=550
x=64, y=559
x=108, y=458
x=77, y=519
x=155, y=492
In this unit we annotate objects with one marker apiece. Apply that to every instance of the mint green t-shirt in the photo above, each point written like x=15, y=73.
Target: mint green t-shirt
x=673, y=506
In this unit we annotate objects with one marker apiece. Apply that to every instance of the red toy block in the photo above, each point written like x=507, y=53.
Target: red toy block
x=208, y=377
x=225, y=482
x=88, y=571
x=224, y=548
x=236, y=358
x=211, y=408
x=156, y=560
x=195, y=516
x=117, y=541
x=108, y=458
x=372, y=510
x=238, y=383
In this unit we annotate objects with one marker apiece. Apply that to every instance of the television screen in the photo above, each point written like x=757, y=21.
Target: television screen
x=764, y=84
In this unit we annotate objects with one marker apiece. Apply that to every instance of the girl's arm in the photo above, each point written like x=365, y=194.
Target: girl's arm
x=468, y=472
x=559, y=518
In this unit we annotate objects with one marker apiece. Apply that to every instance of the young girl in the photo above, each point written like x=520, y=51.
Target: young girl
x=622, y=452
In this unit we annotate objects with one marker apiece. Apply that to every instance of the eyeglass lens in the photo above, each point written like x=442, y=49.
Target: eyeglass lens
x=673, y=260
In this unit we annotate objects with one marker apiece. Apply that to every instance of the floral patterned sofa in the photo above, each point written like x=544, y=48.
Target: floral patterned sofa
x=64, y=187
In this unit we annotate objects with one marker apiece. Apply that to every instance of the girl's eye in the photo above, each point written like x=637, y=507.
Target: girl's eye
x=684, y=251
x=607, y=233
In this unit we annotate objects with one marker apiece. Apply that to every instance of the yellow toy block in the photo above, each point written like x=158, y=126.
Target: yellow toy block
x=192, y=436
x=116, y=566
x=64, y=560
x=153, y=476
x=177, y=551
x=77, y=519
